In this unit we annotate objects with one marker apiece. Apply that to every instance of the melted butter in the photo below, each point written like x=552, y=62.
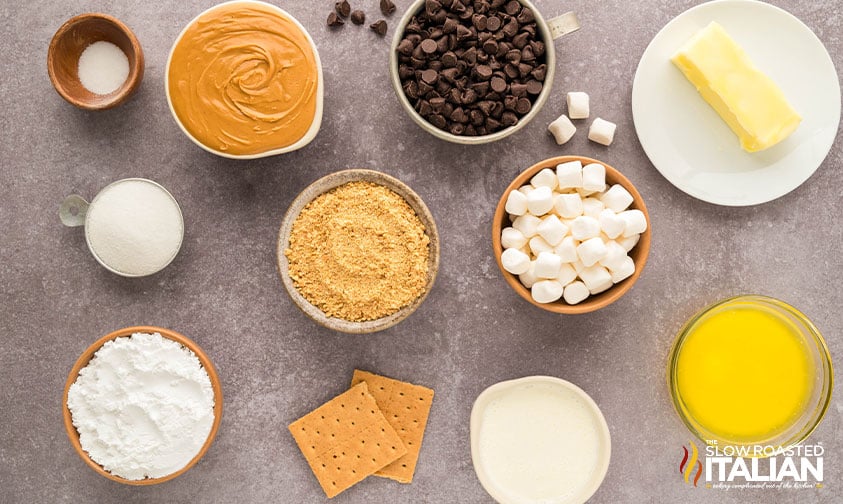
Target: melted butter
x=243, y=80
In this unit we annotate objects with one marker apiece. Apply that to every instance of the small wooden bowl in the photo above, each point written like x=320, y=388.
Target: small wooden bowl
x=638, y=254
x=325, y=184
x=66, y=47
x=86, y=357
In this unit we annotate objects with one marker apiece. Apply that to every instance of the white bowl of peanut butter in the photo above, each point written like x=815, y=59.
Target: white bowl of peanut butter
x=244, y=81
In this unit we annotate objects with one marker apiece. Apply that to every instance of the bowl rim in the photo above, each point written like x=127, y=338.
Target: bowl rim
x=550, y=56
x=811, y=334
x=320, y=86
x=122, y=93
x=88, y=354
x=502, y=387
x=593, y=303
x=325, y=184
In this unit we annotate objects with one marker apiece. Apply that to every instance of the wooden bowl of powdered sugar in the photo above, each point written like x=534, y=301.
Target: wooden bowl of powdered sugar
x=142, y=405
x=358, y=251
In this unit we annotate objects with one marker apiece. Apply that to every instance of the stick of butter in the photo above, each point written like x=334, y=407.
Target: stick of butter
x=749, y=101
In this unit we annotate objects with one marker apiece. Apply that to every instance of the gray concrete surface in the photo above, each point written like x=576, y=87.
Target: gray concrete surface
x=275, y=364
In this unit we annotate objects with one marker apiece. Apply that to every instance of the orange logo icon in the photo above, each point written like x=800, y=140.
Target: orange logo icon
x=690, y=461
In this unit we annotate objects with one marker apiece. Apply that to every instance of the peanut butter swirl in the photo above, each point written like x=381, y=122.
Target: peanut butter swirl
x=243, y=79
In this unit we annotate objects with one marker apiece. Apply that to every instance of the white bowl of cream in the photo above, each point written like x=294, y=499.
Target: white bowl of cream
x=539, y=440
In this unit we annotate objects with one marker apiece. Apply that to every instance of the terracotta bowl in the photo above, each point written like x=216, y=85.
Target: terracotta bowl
x=325, y=184
x=638, y=254
x=67, y=45
x=128, y=331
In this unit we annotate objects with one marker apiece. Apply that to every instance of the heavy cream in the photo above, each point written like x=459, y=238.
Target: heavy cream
x=539, y=441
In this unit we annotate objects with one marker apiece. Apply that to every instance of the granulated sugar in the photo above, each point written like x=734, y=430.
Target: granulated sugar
x=134, y=227
x=103, y=68
x=143, y=406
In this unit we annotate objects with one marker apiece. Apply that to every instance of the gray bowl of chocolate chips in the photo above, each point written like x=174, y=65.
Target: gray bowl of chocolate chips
x=474, y=71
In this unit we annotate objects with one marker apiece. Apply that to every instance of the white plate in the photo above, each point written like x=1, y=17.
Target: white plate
x=691, y=145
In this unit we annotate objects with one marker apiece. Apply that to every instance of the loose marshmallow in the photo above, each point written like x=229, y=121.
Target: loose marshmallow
x=617, y=198
x=567, y=274
x=562, y=129
x=591, y=251
x=528, y=278
x=552, y=230
x=540, y=201
x=527, y=224
x=578, y=266
x=636, y=222
x=629, y=242
x=512, y=238
x=569, y=175
x=625, y=271
x=516, y=203
x=594, y=177
x=545, y=178
x=567, y=250
x=584, y=228
x=515, y=261
x=547, y=265
x=578, y=105
x=597, y=279
x=546, y=291
x=568, y=206
x=539, y=245
x=602, y=131
x=592, y=207
x=575, y=293
x=611, y=224
x=615, y=256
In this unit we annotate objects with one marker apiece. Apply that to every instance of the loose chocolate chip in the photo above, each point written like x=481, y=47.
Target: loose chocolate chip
x=497, y=110
x=437, y=103
x=463, y=33
x=481, y=88
x=539, y=73
x=424, y=108
x=438, y=121
x=470, y=56
x=511, y=71
x=534, y=87
x=467, y=13
x=457, y=7
x=449, y=59
x=428, y=46
x=405, y=47
x=524, y=105
x=498, y=85
x=530, y=28
x=435, y=65
x=334, y=20
x=405, y=72
x=459, y=115
x=521, y=40
x=477, y=118
x=358, y=17
x=449, y=74
x=538, y=47
x=513, y=7
x=492, y=124
x=450, y=25
x=479, y=22
x=509, y=119
x=430, y=76
x=432, y=6
x=510, y=28
x=526, y=16
x=387, y=7
x=411, y=89
x=490, y=46
x=527, y=54
x=343, y=8
x=470, y=131
x=518, y=89
x=524, y=69
x=469, y=96
x=483, y=72
x=514, y=56
x=493, y=24
x=424, y=88
x=379, y=27
x=442, y=44
x=510, y=103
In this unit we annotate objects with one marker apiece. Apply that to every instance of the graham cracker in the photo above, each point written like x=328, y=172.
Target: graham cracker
x=406, y=407
x=346, y=439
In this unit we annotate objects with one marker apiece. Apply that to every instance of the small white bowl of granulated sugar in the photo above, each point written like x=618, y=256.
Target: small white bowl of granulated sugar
x=142, y=405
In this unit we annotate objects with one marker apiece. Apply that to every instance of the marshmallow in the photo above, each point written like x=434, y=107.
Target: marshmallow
x=562, y=129
x=591, y=251
x=578, y=105
x=578, y=266
x=625, y=271
x=567, y=274
x=592, y=207
x=636, y=222
x=611, y=224
x=567, y=249
x=515, y=261
x=516, y=203
x=540, y=200
x=568, y=206
x=576, y=292
x=583, y=228
x=602, y=131
x=546, y=291
x=547, y=265
x=528, y=278
x=526, y=189
x=545, y=178
x=539, y=245
x=552, y=230
x=527, y=224
x=569, y=175
x=615, y=256
x=629, y=242
x=597, y=279
x=617, y=198
x=512, y=238
x=594, y=177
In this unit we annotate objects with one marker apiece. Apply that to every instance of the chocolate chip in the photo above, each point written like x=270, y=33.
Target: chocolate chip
x=534, y=87
x=511, y=71
x=405, y=72
x=343, y=8
x=493, y=24
x=450, y=25
x=449, y=59
x=379, y=27
x=540, y=72
x=524, y=105
x=358, y=17
x=334, y=20
x=513, y=7
x=509, y=119
x=387, y=7
x=437, y=104
x=479, y=22
x=428, y=46
x=521, y=40
x=510, y=103
x=498, y=85
x=526, y=16
x=538, y=48
x=518, y=89
x=438, y=121
x=483, y=72
x=490, y=46
x=405, y=47
x=431, y=76
x=432, y=6
x=510, y=28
